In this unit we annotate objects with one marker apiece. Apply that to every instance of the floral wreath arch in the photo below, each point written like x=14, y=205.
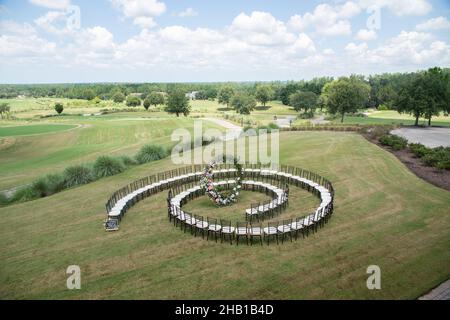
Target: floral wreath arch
x=207, y=184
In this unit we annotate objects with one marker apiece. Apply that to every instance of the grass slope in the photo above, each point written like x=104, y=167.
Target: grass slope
x=22, y=159
x=384, y=215
x=33, y=129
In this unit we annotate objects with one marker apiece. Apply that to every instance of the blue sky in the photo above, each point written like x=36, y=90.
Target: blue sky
x=50, y=41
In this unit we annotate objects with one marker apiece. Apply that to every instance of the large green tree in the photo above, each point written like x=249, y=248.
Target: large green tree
x=436, y=84
x=155, y=98
x=133, y=101
x=243, y=103
x=425, y=95
x=412, y=99
x=59, y=107
x=303, y=100
x=345, y=95
x=225, y=94
x=118, y=97
x=264, y=93
x=89, y=94
x=177, y=103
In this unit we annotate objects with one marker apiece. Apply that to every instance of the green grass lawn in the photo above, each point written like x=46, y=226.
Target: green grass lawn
x=393, y=117
x=22, y=159
x=33, y=129
x=384, y=215
x=302, y=204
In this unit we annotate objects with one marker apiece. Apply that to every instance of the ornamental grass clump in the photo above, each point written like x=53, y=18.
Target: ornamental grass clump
x=106, y=166
x=150, y=152
x=77, y=175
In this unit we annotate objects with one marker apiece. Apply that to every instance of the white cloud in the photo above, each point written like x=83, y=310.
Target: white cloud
x=140, y=8
x=434, y=24
x=261, y=28
x=340, y=28
x=255, y=44
x=365, y=35
x=142, y=11
x=144, y=22
x=326, y=19
x=12, y=27
x=356, y=49
x=29, y=47
x=408, y=48
x=52, y=4
x=189, y=12
x=97, y=38
x=54, y=22
x=400, y=7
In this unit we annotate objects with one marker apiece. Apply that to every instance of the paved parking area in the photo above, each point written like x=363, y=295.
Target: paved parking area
x=430, y=137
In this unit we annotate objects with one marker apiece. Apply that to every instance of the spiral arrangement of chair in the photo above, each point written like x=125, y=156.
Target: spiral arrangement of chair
x=182, y=184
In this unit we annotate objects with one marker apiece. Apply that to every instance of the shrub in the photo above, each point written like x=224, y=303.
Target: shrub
x=206, y=140
x=377, y=132
x=40, y=187
x=3, y=199
x=24, y=194
x=150, y=152
x=383, y=107
x=106, y=166
x=396, y=142
x=127, y=161
x=438, y=157
x=307, y=115
x=133, y=101
x=55, y=183
x=77, y=175
x=443, y=165
x=419, y=149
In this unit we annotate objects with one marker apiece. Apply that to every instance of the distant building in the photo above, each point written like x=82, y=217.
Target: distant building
x=192, y=95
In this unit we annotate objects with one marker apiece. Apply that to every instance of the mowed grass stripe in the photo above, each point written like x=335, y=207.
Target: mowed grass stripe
x=25, y=130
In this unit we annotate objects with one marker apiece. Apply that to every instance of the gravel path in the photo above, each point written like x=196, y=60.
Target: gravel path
x=430, y=137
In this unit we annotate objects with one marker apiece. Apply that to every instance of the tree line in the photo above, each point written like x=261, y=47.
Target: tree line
x=421, y=94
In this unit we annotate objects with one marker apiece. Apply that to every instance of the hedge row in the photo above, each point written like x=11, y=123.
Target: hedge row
x=393, y=141
x=434, y=157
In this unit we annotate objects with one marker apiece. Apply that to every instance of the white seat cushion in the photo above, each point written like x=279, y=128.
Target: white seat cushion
x=214, y=227
x=227, y=229
x=270, y=230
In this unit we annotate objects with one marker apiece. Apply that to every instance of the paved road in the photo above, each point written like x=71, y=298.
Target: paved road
x=441, y=292
x=430, y=137
x=319, y=120
x=285, y=122
x=233, y=132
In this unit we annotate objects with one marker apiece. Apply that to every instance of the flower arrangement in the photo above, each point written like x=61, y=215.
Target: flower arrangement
x=207, y=184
